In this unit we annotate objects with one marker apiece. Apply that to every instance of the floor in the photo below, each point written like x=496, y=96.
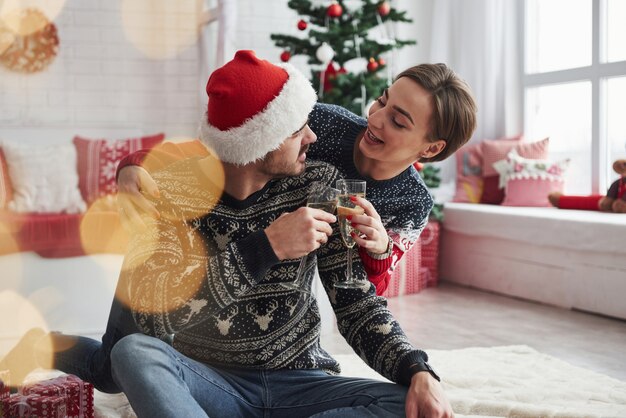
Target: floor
x=450, y=316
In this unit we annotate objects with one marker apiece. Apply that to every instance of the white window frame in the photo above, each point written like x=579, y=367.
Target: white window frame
x=596, y=73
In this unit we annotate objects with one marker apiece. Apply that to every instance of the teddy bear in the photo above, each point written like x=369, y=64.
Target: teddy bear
x=613, y=201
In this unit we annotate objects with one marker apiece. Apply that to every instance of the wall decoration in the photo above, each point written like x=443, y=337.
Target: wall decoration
x=6, y=38
x=12, y=14
x=35, y=51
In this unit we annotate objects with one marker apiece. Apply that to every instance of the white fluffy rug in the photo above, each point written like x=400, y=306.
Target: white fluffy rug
x=517, y=381
x=513, y=381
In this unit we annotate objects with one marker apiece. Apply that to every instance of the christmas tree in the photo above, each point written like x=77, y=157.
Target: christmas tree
x=339, y=32
x=432, y=179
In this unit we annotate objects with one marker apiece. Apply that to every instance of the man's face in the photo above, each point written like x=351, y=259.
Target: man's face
x=289, y=159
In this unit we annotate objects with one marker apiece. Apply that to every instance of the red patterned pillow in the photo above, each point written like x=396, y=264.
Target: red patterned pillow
x=98, y=159
x=6, y=190
x=496, y=150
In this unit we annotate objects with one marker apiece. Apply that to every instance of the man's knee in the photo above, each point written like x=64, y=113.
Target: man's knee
x=132, y=349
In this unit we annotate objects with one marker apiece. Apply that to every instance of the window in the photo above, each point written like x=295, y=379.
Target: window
x=575, y=85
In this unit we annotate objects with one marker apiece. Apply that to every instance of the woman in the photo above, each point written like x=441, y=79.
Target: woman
x=425, y=115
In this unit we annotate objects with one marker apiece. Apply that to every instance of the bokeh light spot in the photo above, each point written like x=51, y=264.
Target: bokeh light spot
x=161, y=29
x=25, y=17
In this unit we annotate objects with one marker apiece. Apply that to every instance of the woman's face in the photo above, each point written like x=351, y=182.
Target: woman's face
x=398, y=125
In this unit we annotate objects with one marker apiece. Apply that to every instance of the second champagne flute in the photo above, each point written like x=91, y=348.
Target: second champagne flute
x=320, y=197
x=346, y=207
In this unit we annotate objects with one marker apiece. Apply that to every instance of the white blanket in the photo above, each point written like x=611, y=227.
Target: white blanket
x=513, y=381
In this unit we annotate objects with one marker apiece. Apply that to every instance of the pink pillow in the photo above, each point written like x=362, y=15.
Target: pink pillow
x=98, y=159
x=530, y=191
x=496, y=150
x=527, y=182
x=6, y=190
x=469, y=180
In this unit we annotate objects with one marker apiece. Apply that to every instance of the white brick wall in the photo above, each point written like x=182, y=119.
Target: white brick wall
x=100, y=79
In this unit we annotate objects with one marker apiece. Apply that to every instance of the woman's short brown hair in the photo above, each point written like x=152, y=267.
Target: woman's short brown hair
x=454, y=109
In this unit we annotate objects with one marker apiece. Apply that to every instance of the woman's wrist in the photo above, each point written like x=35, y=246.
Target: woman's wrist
x=386, y=254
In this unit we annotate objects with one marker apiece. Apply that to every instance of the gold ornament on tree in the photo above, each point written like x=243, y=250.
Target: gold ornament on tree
x=31, y=51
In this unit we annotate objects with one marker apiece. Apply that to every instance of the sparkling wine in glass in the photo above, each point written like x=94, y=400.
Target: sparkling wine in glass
x=320, y=197
x=345, y=208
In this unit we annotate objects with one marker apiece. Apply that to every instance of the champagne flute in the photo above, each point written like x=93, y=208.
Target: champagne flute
x=346, y=207
x=320, y=197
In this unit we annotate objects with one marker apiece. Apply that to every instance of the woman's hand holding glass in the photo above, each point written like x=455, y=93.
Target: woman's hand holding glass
x=369, y=232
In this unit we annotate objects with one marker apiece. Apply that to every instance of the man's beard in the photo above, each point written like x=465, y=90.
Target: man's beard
x=276, y=167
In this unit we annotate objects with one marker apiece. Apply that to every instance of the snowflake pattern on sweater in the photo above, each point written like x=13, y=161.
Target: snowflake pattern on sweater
x=205, y=271
x=402, y=202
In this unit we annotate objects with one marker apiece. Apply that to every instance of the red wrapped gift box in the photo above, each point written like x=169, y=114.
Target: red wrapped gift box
x=34, y=405
x=418, y=268
x=79, y=394
x=5, y=381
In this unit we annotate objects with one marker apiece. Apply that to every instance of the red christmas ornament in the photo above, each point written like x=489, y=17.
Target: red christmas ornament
x=418, y=166
x=384, y=8
x=372, y=65
x=331, y=75
x=285, y=56
x=334, y=10
x=382, y=62
x=302, y=25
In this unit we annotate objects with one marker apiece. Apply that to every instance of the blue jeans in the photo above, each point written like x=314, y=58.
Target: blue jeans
x=90, y=359
x=161, y=382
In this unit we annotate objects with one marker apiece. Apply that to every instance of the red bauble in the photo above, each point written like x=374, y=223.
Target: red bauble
x=331, y=75
x=384, y=8
x=372, y=65
x=285, y=56
x=381, y=62
x=334, y=10
x=302, y=24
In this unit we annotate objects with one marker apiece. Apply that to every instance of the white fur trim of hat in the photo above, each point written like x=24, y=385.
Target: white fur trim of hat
x=266, y=130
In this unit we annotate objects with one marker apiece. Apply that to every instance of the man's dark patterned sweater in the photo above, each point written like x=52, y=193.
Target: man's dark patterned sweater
x=403, y=202
x=205, y=271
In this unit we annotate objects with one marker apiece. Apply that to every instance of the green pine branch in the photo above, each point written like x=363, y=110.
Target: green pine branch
x=431, y=176
x=432, y=179
x=340, y=34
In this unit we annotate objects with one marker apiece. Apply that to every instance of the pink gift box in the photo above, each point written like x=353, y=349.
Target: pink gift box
x=418, y=267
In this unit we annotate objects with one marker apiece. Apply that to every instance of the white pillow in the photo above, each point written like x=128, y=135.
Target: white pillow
x=515, y=166
x=44, y=178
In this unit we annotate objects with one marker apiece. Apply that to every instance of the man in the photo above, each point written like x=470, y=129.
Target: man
x=244, y=345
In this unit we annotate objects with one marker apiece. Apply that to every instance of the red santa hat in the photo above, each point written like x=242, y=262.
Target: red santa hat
x=253, y=107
